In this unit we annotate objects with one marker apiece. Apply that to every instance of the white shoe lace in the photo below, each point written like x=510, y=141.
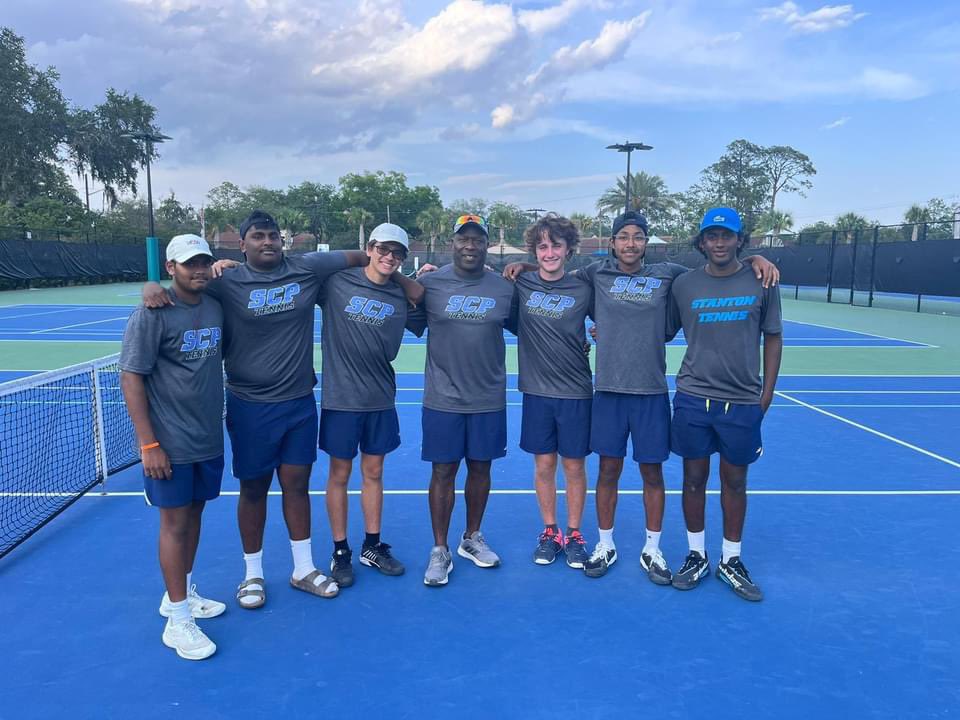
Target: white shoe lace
x=657, y=560
x=599, y=552
x=192, y=632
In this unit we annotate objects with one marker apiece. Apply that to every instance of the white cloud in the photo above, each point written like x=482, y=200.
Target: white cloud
x=464, y=37
x=608, y=46
x=890, y=85
x=829, y=17
x=538, y=22
x=839, y=122
x=471, y=178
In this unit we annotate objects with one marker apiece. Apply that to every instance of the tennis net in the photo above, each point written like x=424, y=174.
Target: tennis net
x=61, y=433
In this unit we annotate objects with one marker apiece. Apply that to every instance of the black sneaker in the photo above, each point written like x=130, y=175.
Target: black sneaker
x=735, y=574
x=549, y=545
x=656, y=568
x=694, y=568
x=341, y=567
x=600, y=561
x=575, y=548
x=378, y=556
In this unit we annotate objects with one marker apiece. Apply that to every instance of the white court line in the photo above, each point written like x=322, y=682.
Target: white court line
x=867, y=334
x=67, y=327
x=876, y=392
x=870, y=430
x=786, y=493
x=48, y=312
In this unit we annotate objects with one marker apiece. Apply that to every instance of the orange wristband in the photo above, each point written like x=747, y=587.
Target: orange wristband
x=151, y=446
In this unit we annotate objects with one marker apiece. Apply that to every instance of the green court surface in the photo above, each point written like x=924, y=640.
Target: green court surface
x=940, y=332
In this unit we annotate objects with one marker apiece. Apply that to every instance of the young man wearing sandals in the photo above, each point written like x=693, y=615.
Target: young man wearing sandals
x=172, y=382
x=364, y=314
x=268, y=307
x=466, y=308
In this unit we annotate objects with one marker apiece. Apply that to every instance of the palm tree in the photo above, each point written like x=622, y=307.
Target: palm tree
x=602, y=220
x=849, y=223
x=291, y=222
x=360, y=217
x=582, y=221
x=648, y=194
x=432, y=221
x=501, y=217
x=915, y=215
x=776, y=221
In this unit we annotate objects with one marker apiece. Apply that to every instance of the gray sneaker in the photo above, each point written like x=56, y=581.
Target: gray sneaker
x=656, y=567
x=475, y=548
x=439, y=567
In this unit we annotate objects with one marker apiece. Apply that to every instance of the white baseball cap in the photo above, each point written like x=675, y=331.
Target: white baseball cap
x=183, y=247
x=388, y=232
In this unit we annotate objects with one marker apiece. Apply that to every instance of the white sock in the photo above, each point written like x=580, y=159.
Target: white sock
x=606, y=537
x=653, y=542
x=731, y=549
x=302, y=558
x=189, y=581
x=254, y=563
x=697, y=541
x=180, y=611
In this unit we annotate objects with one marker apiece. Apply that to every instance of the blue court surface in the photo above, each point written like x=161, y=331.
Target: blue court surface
x=851, y=532
x=92, y=323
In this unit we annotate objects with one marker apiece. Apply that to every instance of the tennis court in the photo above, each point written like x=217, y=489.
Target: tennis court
x=851, y=534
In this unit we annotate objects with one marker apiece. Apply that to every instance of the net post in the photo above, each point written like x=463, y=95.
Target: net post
x=853, y=263
x=100, y=436
x=833, y=245
x=919, y=296
x=873, y=262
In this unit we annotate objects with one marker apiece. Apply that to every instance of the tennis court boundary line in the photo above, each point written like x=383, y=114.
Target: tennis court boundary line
x=560, y=491
x=872, y=431
x=868, y=334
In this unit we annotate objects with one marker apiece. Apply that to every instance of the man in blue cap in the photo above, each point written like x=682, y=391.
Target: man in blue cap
x=721, y=400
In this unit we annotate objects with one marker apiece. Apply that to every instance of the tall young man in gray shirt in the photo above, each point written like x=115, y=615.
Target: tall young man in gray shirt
x=364, y=315
x=466, y=309
x=720, y=400
x=172, y=382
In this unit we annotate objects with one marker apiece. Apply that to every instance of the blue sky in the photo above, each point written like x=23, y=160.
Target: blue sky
x=516, y=102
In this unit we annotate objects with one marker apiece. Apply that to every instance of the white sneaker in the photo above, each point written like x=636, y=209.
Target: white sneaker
x=200, y=607
x=188, y=640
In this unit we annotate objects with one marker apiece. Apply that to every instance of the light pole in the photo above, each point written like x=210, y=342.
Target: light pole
x=153, y=255
x=628, y=147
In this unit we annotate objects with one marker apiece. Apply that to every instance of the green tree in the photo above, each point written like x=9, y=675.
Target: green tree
x=648, y=194
x=504, y=216
x=787, y=170
x=739, y=180
x=33, y=121
x=851, y=223
x=773, y=222
x=433, y=222
x=358, y=217
x=377, y=192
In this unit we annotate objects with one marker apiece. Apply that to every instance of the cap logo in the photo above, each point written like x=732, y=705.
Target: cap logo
x=719, y=218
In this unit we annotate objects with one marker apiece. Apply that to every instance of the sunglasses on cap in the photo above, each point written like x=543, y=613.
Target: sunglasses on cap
x=468, y=219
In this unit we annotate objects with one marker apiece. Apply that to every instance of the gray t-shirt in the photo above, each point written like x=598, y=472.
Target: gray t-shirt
x=722, y=318
x=177, y=350
x=268, y=325
x=362, y=330
x=466, y=364
x=631, y=311
x=549, y=317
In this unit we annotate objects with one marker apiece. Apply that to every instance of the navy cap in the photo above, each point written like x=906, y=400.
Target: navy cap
x=631, y=218
x=258, y=219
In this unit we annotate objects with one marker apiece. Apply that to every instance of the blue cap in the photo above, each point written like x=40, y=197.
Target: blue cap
x=722, y=217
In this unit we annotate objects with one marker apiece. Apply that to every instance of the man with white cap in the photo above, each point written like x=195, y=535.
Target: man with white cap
x=172, y=381
x=364, y=314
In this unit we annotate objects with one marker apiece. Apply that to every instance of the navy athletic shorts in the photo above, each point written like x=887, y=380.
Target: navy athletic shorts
x=342, y=432
x=191, y=482
x=702, y=427
x=645, y=418
x=449, y=437
x=556, y=425
x=266, y=435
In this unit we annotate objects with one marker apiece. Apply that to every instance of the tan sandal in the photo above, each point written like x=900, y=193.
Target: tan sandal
x=244, y=590
x=326, y=589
